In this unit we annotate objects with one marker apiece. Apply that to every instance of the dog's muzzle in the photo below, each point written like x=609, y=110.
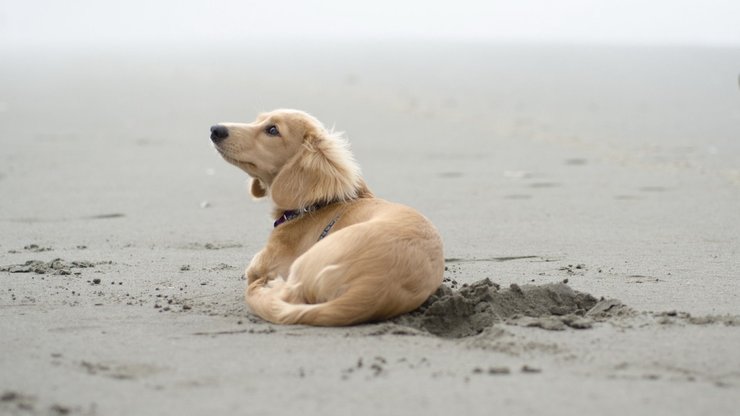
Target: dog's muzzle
x=219, y=133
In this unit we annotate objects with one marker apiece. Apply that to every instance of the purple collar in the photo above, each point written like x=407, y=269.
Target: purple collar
x=295, y=213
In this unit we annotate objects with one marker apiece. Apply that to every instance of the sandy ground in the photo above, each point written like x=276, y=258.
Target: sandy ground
x=615, y=170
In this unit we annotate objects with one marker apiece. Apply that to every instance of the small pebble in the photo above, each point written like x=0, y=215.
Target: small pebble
x=499, y=370
x=531, y=370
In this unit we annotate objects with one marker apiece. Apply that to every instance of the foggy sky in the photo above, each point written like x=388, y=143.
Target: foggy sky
x=82, y=22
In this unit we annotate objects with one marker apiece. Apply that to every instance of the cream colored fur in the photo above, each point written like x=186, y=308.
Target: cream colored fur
x=379, y=260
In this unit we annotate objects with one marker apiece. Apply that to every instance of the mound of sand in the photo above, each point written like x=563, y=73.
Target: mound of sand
x=471, y=309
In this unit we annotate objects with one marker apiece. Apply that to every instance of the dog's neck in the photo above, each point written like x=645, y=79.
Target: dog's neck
x=295, y=213
x=283, y=215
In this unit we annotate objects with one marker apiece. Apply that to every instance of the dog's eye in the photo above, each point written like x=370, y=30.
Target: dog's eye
x=272, y=130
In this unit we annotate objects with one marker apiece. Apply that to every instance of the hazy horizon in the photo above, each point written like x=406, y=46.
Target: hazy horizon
x=630, y=22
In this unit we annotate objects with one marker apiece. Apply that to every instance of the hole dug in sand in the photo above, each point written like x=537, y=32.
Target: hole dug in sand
x=466, y=312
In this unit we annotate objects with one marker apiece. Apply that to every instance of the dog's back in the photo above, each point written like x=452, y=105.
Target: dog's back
x=383, y=260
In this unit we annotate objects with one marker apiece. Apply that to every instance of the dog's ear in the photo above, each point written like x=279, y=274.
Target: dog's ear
x=257, y=188
x=323, y=170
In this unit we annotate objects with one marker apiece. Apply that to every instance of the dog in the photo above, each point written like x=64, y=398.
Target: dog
x=337, y=255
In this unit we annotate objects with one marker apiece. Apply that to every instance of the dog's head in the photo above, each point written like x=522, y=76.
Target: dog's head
x=290, y=155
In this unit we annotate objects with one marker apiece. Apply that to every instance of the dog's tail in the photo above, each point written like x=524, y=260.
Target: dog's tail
x=351, y=307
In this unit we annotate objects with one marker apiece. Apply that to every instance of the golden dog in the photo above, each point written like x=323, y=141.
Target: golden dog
x=337, y=255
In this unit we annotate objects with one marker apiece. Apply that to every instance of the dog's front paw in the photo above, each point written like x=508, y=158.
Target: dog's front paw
x=252, y=275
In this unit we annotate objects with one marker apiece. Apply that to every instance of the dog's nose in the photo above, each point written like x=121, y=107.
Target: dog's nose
x=218, y=133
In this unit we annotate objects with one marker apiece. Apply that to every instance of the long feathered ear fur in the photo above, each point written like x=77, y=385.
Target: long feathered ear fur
x=323, y=170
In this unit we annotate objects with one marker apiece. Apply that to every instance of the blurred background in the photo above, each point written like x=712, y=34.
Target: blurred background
x=78, y=23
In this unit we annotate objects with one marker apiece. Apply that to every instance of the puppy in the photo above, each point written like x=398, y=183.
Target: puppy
x=337, y=255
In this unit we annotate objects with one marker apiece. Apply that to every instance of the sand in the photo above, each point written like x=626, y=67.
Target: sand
x=587, y=198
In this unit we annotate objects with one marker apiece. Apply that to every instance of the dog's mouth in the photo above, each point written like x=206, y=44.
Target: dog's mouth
x=229, y=158
x=224, y=154
x=232, y=160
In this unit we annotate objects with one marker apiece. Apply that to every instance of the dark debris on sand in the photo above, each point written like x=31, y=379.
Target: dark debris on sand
x=56, y=266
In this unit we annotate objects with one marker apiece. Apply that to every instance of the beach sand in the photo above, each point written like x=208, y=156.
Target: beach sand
x=588, y=199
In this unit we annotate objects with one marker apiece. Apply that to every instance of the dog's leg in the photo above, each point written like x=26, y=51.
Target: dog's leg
x=261, y=268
